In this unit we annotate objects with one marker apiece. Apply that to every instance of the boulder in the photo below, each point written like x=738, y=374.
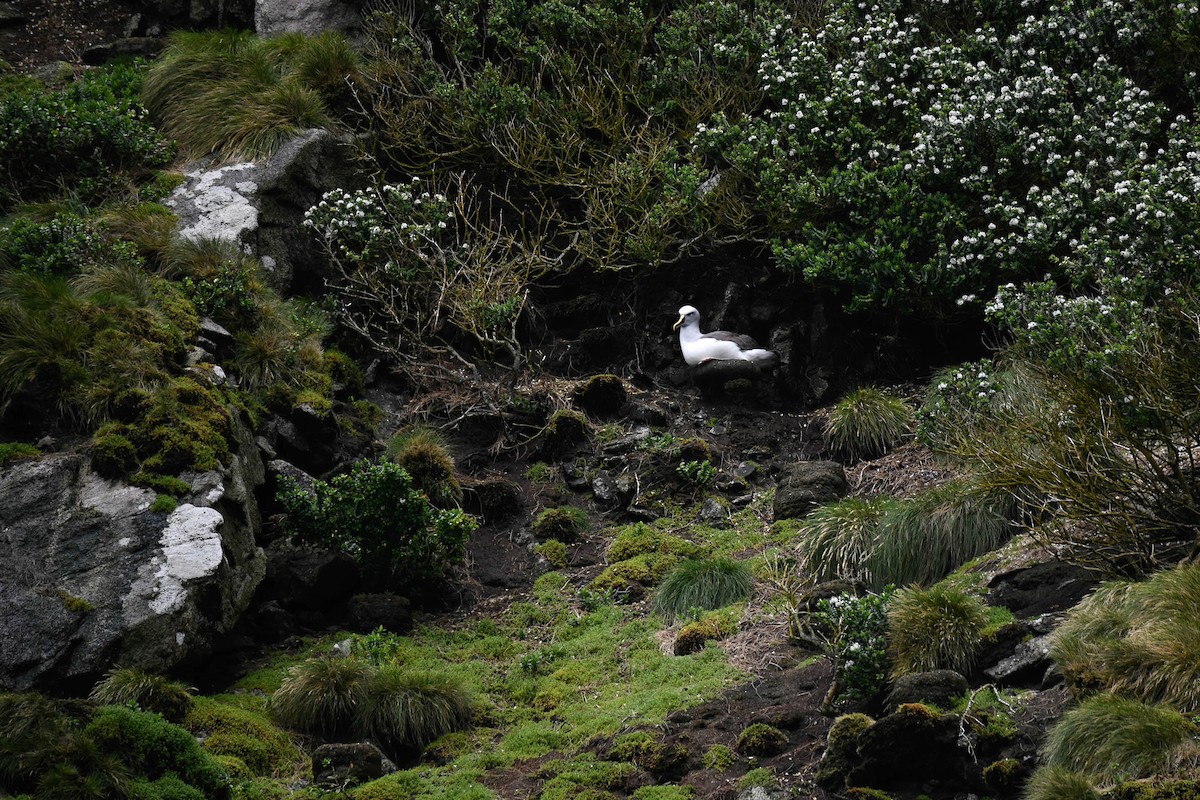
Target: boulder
x=94, y=578
x=939, y=687
x=310, y=17
x=802, y=487
x=261, y=204
x=336, y=766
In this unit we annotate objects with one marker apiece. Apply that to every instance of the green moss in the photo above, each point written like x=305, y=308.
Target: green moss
x=865, y=793
x=692, y=638
x=14, y=451
x=554, y=551
x=640, y=539
x=1002, y=776
x=642, y=570
x=164, y=484
x=229, y=730
x=760, y=739
x=841, y=750
x=1156, y=790
x=113, y=455
x=564, y=523
x=163, y=504
x=719, y=758
x=758, y=777
x=75, y=604
x=664, y=793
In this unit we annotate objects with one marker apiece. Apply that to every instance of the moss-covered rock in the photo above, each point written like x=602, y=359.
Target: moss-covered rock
x=841, y=750
x=760, y=739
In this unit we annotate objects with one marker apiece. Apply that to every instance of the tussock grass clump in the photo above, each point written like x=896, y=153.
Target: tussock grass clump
x=702, y=583
x=125, y=686
x=837, y=539
x=423, y=454
x=408, y=710
x=239, y=96
x=924, y=538
x=868, y=422
x=1058, y=783
x=882, y=540
x=936, y=628
x=321, y=695
x=1109, y=739
x=1140, y=640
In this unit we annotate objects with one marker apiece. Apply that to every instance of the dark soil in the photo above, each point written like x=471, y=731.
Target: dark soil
x=41, y=32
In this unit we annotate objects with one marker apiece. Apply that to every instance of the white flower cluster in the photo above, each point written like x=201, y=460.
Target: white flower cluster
x=379, y=223
x=1049, y=151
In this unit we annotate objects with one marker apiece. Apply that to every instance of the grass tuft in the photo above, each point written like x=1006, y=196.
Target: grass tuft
x=868, y=422
x=125, y=686
x=1110, y=739
x=936, y=628
x=321, y=695
x=702, y=583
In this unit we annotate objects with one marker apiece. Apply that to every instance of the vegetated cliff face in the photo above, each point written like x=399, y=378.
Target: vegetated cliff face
x=94, y=577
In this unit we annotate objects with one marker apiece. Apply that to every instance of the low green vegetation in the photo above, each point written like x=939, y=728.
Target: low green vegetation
x=374, y=513
x=130, y=687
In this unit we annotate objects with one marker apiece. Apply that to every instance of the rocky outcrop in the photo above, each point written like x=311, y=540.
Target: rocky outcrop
x=95, y=577
x=311, y=17
x=261, y=204
x=802, y=487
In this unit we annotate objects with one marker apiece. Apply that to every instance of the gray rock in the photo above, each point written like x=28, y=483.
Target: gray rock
x=260, y=205
x=341, y=765
x=275, y=17
x=94, y=578
x=1029, y=661
x=802, y=487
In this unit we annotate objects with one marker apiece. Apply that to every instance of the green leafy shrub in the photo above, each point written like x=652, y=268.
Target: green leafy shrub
x=79, y=136
x=424, y=455
x=563, y=523
x=696, y=473
x=63, y=246
x=853, y=632
x=1109, y=739
x=126, y=686
x=1083, y=447
x=868, y=422
x=702, y=583
x=936, y=628
x=374, y=513
x=1136, y=639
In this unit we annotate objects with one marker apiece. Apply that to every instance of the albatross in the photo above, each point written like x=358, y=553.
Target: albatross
x=699, y=347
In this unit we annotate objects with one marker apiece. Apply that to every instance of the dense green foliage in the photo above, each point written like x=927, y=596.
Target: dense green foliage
x=88, y=135
x=373, y=513
x=936, y=628
x=60, y=749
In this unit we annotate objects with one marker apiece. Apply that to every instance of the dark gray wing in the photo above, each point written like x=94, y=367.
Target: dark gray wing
x=743, y=341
